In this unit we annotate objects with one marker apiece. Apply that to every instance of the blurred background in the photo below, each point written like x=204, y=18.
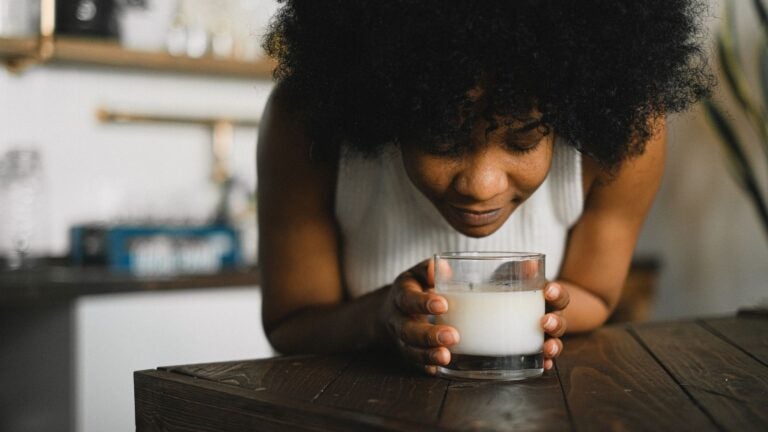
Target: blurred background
x=127, y=198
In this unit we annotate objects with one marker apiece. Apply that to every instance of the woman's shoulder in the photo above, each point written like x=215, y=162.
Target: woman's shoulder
x=283, y=139
x=638, y=176
x=288, y=176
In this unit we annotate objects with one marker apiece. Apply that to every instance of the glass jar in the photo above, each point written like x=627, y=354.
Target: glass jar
x=22, y=197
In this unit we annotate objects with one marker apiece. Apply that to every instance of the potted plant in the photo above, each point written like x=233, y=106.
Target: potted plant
x=752, y=103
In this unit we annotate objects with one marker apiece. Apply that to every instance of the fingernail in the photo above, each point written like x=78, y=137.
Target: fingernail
x=439, y=356
x=550, y=323
x=553, y=292
x=437, y=306
x=553, y=350
x=446, y=338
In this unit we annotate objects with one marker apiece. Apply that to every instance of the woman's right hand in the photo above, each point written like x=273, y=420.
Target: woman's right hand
x=410, y=300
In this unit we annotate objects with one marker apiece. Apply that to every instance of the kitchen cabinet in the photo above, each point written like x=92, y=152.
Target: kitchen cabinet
x=72, y=337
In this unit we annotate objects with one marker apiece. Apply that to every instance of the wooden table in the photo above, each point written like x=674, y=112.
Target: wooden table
x=701, y=375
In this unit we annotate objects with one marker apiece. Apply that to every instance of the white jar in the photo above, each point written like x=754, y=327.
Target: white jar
x=145, y=28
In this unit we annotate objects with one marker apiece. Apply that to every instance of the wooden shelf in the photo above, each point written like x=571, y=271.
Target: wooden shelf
x=15, y=48
x=109, y=53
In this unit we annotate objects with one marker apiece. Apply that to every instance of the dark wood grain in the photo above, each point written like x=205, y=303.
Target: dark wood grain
x=700, y=376
x=612, y=383
x=749, y=334
x=728, y=384
x=169, y=407
x=167, y=401
x=302, y=378
x=530, y=405
x=383, y=386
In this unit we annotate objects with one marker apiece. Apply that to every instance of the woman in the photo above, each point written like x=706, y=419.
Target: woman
x=399, y=129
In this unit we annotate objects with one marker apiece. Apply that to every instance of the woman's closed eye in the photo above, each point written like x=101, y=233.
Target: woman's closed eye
x=523, y=144
x=526, y=138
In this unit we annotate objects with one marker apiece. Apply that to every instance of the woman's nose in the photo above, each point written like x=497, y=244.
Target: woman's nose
x=482, y=178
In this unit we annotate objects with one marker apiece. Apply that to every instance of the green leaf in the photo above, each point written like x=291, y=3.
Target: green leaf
x=729, y=58
x=762, y=14
x=731, y=66
x=737, y=163
x=762, y=76
x=762, y=58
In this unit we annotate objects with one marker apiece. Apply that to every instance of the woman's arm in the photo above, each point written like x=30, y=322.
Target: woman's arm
x=303, y=308
x=601, y=244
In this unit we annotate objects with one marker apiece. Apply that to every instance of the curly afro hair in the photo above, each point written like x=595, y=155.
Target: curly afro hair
x=362, y=74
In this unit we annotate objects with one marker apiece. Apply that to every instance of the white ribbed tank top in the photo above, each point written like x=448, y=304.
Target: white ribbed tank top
x=388, y=225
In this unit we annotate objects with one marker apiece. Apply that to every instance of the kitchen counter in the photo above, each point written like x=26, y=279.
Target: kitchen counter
x=55, y=282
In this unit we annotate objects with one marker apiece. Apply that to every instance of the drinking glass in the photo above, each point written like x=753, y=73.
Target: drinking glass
x=495, y=302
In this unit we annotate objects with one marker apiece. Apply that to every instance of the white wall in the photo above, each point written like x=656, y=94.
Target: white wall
x=103, y=171
x=714, y=251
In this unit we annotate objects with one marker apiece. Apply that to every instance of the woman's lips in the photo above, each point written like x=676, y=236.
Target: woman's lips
x=475, y=217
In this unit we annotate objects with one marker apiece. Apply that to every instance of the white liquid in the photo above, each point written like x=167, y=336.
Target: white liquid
x=495, y=323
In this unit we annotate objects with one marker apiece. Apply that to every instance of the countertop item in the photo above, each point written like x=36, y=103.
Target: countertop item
x=705, y=374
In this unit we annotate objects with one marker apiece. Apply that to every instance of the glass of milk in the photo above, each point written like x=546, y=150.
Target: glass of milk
x=495, y=302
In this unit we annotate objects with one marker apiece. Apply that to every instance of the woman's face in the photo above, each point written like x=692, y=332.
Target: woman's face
x=478, y=190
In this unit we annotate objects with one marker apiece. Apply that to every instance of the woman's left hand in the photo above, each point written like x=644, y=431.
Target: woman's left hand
x=553, y=322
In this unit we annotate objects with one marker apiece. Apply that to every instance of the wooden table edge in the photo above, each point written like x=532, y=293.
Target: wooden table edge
x=271, y=409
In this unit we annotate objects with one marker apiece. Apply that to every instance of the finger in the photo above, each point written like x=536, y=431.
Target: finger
x=440, y=270
x=530, y=269
x=424, y=334
x=548, y=364
x=421, y=272
x=430, y=370
x=430, y=279
x=553, y=324
x=427, y=356
x=411, y=299
x=557, y=296
x=553, y=347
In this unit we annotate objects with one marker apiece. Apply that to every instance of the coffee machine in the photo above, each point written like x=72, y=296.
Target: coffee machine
x=87, y=18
